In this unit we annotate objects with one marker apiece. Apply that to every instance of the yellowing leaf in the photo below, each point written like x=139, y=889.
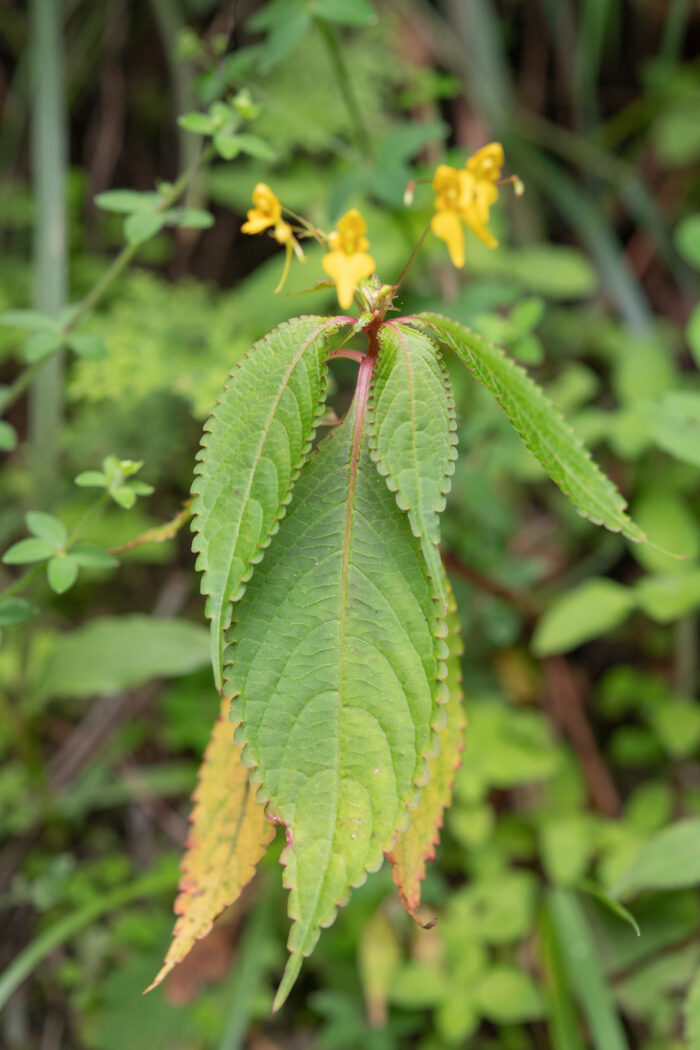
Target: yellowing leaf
x=415, y=846
x=229, y=835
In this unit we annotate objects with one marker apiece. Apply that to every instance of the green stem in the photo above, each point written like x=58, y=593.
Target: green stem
x=49, y=159
x=360, y=131
x=60, y=932
x=92, y=298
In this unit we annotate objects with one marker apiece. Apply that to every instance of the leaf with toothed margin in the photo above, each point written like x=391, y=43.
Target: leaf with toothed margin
x=229, y=835
x=336, y=661
x=412, y=434
x=254, y=445
x=539, y=424
x=416, y=845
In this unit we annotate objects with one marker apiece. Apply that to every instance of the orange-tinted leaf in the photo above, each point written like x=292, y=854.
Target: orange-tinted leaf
x=229, y=835
x=415, y=846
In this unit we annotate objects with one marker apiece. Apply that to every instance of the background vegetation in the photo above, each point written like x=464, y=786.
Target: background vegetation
x=580, y=787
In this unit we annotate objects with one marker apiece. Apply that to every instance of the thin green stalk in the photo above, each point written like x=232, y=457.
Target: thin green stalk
x=49, y=160
x=362, y=137
x=118, y=265
x=60, y=932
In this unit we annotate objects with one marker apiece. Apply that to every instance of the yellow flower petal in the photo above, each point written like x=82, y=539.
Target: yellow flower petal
x=487, y=162
x=447, y=225
x=257, y=222
x=347, y=270
x=267, y=211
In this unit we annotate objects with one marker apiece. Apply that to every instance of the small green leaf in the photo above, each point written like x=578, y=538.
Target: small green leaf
x=254, y=146
x=123, y=495
x=669, y=860
x=27, y=551
x=62, y=572
x=195, y=218
x=687, y=238
x=226, y=144
x=140, y=488
x=87, y=345
x=674, y=422
x=31, y=319
x=594, y=607
x=197, y=123
x=46, y=527
x=42, y=344
x=507, y=995
x=90, y=556
x=15, y=611
x=91, y=479
x=8, y=436
x=127, y=201
x=140, y=226
x=665, y=598
x=345, y=12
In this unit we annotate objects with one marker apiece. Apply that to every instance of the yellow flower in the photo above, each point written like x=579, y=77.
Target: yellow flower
x=483, y=173
x=348, y=263
x=465, y=195
x=450, y=198
x=267, y=211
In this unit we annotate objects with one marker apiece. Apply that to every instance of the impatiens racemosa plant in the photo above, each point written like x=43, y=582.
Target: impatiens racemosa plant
x=334, y=634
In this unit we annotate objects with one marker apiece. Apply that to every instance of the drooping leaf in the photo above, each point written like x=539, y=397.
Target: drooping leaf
x=669, y=860
x=415, y=846
x=254, y=445
x=540, y=426
x=335, y=662
x=228, y=837
x=412, y=434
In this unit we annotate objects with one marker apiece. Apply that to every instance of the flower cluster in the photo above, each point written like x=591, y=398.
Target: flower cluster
x=463, y=196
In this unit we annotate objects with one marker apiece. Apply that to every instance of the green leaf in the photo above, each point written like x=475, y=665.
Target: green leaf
x=8, y=437
x=124, y=495
x=16, y=610
x=687, y=238
x=412, y=435
x=197, y=123
x=540, y=426
x=669, y=860
x=31, y=319
x=674, y=422
x=227, y=144
x=62, y=572
x=253, y=447
x=140, y=226
x=666, y=598
x=127, y=201
x=27, y=551
x=584, y=971
x=254, y=146
x=196, y=219
x=90, y=556
x=594, y=607
x=46, y=527
x=345, y=12
x=91, y=479
x=287, y=23
x=88, y=345
x=42, y=343
x=116, y=653
x=334, y=662
x=506, y=995
x=617, y=909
